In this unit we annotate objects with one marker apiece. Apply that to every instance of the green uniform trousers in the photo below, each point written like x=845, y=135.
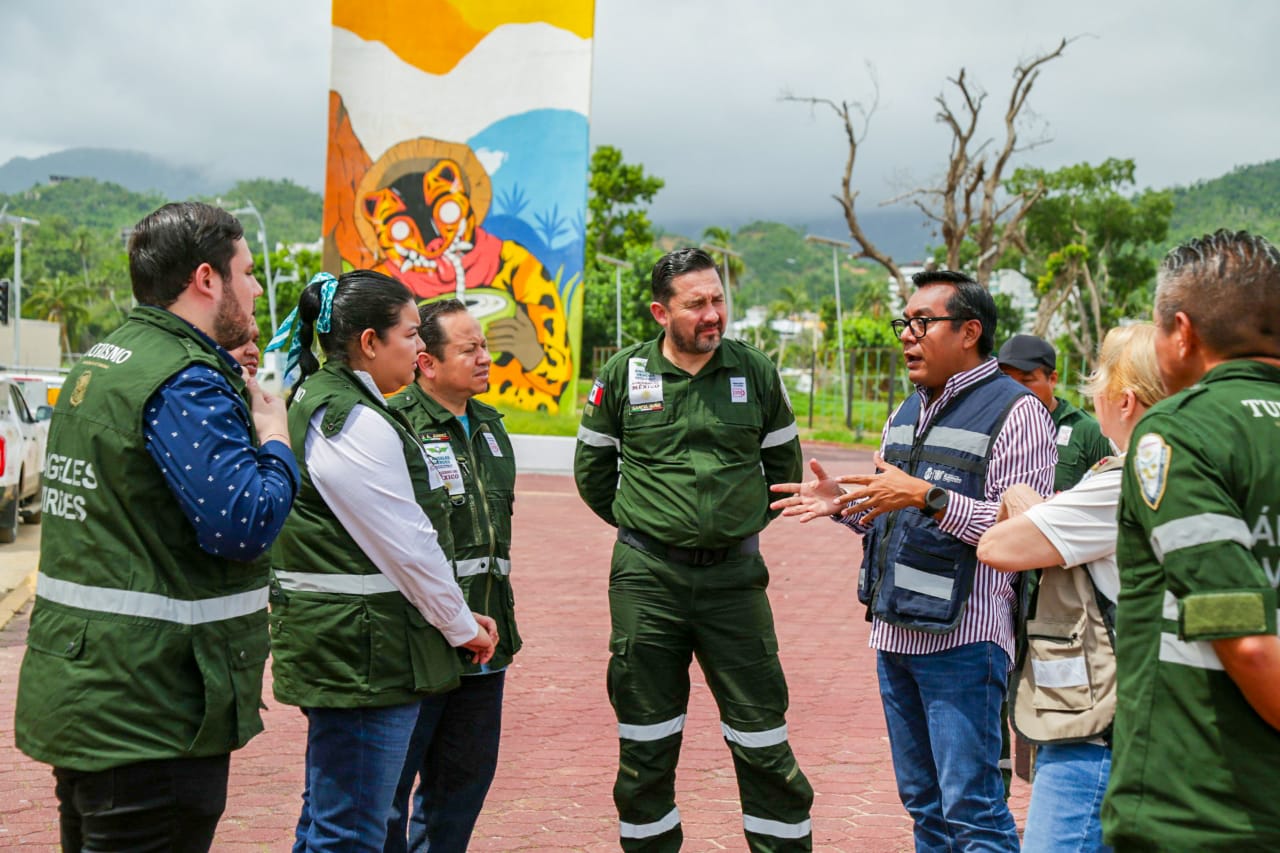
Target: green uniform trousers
x=664, y=613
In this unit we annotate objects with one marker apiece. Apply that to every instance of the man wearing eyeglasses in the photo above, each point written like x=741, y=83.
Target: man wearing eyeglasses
x=942, y=622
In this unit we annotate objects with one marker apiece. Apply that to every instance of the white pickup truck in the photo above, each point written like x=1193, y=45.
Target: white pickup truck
x=22, y=445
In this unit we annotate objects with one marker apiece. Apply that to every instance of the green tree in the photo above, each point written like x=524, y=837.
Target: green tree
x=1090, y=245
x=618, y=226
x=58, y=299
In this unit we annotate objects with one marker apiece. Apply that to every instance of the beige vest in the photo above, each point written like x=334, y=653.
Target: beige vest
x=1064, y=690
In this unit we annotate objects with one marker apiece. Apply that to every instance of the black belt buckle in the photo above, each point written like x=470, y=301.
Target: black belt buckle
x=699, y=557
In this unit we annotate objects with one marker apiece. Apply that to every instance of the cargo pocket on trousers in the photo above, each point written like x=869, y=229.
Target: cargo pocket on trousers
x=1059, y=668
x=619, y=665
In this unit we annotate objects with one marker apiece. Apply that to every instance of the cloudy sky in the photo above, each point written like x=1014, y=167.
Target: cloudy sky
x=689, y=88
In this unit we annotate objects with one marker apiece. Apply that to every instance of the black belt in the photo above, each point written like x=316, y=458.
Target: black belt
x=688, y=556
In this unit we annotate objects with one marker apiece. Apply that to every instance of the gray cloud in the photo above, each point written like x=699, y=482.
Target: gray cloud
x=689, y=89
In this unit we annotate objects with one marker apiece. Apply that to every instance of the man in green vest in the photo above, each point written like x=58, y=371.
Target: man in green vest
x=680, y=438
x=1033, y=362
x=167, y=479
x=455, y=743
x=1197, y=728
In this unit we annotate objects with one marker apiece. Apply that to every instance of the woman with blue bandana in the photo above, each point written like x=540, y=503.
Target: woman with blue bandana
x=365, y=611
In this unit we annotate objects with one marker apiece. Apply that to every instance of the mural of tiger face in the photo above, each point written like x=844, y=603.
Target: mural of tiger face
x=420, y=216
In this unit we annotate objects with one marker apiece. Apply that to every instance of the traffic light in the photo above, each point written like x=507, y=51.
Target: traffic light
x=4, y=301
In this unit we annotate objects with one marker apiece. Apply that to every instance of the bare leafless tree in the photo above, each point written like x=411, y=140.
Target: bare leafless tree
x=970, y=201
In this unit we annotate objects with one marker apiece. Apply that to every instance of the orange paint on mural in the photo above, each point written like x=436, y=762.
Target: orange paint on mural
x=428, y=34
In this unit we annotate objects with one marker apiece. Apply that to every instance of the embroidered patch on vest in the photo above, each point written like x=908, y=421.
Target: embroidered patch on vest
x=1151, y=465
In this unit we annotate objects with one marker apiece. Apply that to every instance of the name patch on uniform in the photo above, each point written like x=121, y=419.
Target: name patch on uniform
x=1151, y=464
x=1064, y=435
x=644, y=389
x=738, y=389
x=445, y=465
x=493, y=444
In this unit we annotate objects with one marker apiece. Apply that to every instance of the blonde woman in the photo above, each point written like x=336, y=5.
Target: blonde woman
x=1063, y=693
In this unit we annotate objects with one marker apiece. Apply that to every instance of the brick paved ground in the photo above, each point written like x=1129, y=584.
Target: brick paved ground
x=558, y=749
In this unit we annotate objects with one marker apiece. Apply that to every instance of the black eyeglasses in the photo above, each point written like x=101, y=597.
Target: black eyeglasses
x=919, y=325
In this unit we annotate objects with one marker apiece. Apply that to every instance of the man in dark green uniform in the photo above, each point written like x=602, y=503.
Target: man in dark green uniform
x=455, y=744
x=1196, y=731
x=167, y=478
x=1033, y=362
x=679, y=440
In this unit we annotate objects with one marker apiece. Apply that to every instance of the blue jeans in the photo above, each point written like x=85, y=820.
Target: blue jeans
x=943, y=715
x=354, y=758
x=455, y=750
x=1066, y=799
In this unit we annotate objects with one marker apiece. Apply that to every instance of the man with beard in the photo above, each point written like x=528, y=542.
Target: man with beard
x=168, y=477
x=679, y=439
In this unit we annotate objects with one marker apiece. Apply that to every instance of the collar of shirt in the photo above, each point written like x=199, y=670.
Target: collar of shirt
x=956, y=384
x=370, y=384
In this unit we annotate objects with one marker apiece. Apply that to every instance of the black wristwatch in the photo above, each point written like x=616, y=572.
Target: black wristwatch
x=935, y=501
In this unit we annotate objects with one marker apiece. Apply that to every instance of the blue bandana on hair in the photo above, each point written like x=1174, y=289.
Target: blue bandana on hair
x=288, y=331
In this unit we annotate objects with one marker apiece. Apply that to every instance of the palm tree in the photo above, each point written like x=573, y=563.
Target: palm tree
x=60, y=300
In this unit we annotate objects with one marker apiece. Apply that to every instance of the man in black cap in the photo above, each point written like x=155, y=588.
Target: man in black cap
x=1033, y=362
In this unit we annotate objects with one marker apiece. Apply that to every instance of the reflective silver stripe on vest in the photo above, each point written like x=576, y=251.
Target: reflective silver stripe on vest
x=964, y=440
x=480, y=566
x=657, y=731
x=755, y=740
x=124, y=602
x=904, y=434
x=597, y=439
x=780, y=436
x=1199, y=654
x=1202, y=529
x=1067, y=672
x=776, y=828
x=647, y=830
x=336, y=584
x=905, y=577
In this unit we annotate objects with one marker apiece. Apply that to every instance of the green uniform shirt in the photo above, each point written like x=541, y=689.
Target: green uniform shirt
x=686, y=459
x=479, y=473
x=1081, y=444
x=1194, y=767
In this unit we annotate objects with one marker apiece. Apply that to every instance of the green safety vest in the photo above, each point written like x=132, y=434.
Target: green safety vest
x=142, y=645
x=480, y=478
x=342, y=635
x=687, y=459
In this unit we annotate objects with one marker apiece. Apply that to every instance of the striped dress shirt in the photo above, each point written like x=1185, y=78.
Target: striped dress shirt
x=1022, y=452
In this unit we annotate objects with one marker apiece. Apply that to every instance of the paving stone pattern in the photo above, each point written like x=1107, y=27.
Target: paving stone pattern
x=559, y=748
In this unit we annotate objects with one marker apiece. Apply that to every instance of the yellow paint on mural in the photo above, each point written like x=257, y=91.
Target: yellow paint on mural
x=572, y=15
x=434, y=35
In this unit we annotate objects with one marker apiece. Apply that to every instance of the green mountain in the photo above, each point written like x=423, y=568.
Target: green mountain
x=1247, y=197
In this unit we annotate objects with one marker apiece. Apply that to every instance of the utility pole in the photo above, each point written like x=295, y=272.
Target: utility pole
x=618, y=266
x=836, y=246
x=17, y=222
x=728, y=285
x=266, y=257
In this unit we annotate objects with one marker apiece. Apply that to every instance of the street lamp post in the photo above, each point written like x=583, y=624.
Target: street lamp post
x=728, y=285
x=618, y=266
x=836, y=246
x=266, y=256
x=17, y=222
